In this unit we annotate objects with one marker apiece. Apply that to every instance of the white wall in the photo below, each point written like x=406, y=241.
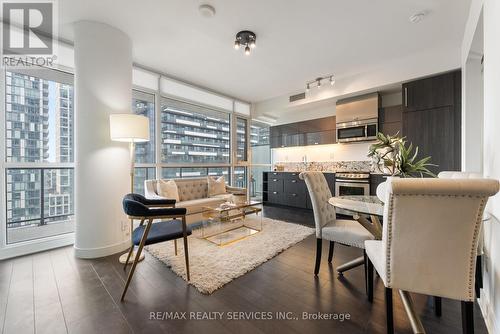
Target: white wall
x=490, y=297
x=322, y=153
x=492, y=152
x=387, y=75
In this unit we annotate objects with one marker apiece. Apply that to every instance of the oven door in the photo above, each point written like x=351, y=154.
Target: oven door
x=343, y=188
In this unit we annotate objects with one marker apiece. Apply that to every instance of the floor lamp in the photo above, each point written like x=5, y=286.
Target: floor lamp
x=129, y=128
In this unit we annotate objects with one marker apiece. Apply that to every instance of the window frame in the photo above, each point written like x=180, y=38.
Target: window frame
x=233, y=115
x=53, y=74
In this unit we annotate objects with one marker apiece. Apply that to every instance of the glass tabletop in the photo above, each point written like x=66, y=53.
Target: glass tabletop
x=370, y=205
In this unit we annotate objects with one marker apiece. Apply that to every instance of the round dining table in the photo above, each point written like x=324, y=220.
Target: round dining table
x=362, y=207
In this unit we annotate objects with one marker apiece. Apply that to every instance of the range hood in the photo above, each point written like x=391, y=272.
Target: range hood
x=357, y=118
x=360, y=108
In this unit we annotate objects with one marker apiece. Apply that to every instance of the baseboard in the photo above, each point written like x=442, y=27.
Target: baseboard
x=492, y=324
x=35, y=246
x=92, y=253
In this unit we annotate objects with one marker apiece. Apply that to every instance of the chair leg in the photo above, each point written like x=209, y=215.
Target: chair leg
x=186, y=253
x=330, y=252
x=388, y=310
x=365, y=267
x=467, y=317
x=479, y=275
x=369, y=278
x=128, y=257
x=137, y=256
x=175, y=246
x=318, y=256
x=437, y=306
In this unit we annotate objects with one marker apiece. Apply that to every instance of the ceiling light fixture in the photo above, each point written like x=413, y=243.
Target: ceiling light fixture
x=318, y=81
x=247, y=39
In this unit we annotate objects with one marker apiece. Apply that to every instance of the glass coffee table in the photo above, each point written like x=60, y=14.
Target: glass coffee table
x=230, y=222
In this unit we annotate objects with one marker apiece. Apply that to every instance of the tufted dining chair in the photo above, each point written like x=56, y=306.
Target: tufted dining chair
x=328, y=227
x=480, y=245
x=429, y=239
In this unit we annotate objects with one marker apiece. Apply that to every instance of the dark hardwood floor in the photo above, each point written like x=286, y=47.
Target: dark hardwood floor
x=54, y=292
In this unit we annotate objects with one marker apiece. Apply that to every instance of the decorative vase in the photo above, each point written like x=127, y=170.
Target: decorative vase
x=382, y=188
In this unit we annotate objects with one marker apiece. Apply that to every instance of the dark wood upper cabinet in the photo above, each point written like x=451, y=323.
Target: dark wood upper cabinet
x=391, y=120
x=433, y=92
x=432, y=119
x=317, y=125
x=312, y=132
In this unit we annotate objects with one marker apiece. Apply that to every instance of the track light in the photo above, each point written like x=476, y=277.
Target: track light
x=247, y=50
x=252, y=44
x=318, y=81
x=237, y=45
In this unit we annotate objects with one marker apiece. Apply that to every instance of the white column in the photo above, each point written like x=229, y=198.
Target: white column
x=103, y=86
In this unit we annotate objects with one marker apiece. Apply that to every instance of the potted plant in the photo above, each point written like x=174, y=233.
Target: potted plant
x=391, y=155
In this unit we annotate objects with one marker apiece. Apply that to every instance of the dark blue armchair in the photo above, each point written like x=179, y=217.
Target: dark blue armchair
x=172, y=228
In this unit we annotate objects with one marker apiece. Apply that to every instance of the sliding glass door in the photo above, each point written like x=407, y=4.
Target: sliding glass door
x=39, y=154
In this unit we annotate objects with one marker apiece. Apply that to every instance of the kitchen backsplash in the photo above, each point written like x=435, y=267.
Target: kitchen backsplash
x=324, y=166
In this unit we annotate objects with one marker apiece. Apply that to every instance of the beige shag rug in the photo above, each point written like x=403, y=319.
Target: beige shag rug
x=214, y=266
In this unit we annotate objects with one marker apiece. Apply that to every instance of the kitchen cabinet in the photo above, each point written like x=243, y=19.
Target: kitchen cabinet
x=432, y=119
x=312, y=132
x=286, y=188
x=391, y=120
x=433, y=92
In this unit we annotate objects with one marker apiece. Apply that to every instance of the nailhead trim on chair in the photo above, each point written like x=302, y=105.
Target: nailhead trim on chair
x=389, y=241
x=472, y=260
x=473, y=252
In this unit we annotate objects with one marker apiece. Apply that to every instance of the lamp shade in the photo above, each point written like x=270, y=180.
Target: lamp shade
x=129, y=128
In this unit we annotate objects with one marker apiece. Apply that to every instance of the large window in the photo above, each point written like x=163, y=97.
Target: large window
x=193, y=135
x=144, y=104
x=261, y=157
x=241, y=139
x=185, y=172
x=39, y=146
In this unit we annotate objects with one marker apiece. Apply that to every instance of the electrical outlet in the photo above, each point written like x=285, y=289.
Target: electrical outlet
x=124, y=225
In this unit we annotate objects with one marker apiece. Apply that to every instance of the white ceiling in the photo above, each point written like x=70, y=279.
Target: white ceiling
x=297, y=40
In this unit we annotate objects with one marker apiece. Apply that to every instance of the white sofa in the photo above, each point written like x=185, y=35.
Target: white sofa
x=193, y=195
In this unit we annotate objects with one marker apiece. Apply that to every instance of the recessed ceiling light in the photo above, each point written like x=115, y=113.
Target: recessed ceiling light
x=417, y=17
x=206, y=10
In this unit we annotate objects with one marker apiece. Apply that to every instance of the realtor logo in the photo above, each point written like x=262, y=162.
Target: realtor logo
x=28, y=28
x=29, y=33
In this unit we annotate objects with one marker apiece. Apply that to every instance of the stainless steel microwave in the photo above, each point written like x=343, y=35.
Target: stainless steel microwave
x=363, y=130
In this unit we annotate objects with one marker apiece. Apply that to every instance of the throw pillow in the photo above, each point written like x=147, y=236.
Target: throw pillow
x=216, y=186
x=168, y=189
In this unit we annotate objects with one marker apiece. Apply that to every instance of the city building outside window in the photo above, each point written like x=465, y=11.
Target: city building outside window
x=39, y=140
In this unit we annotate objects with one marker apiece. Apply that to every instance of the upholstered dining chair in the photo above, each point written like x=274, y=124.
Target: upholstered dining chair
x=172, y=228
x=480, y=245
x=429, y=240
x=328, y=227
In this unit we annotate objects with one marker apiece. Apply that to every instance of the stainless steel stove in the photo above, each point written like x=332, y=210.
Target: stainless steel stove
x=352, y=183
